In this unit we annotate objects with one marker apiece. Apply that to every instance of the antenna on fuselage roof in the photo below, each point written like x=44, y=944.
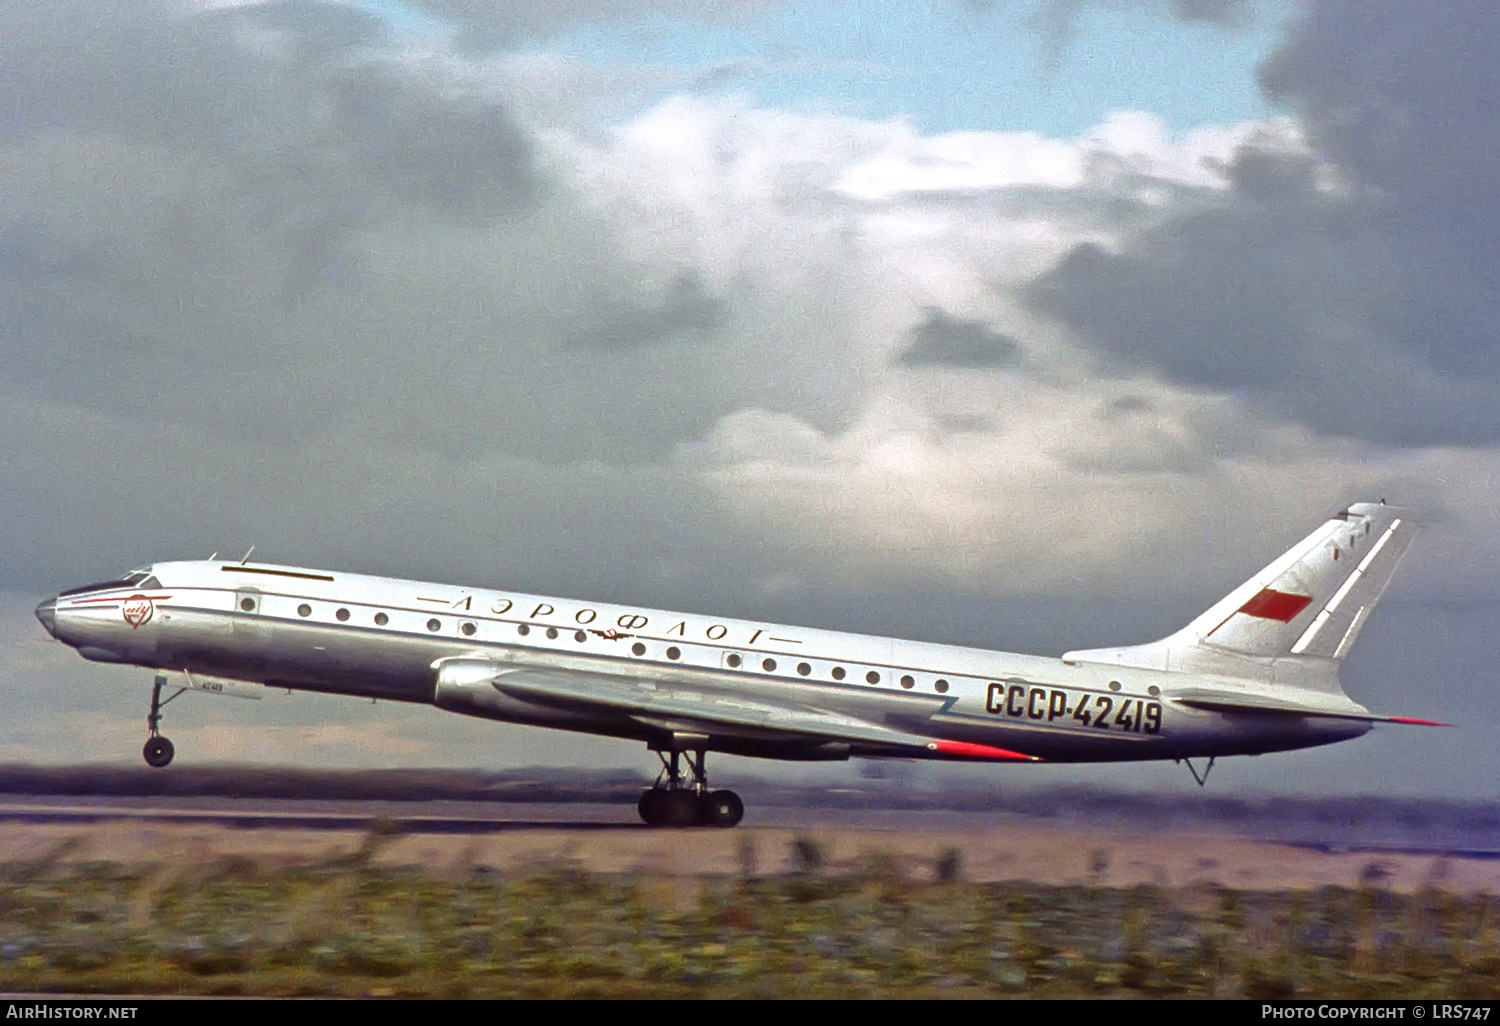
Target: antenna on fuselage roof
x=247, y=556
x=214, y=556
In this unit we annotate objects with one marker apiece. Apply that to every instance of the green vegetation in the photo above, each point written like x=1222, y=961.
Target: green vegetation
x=353, y=928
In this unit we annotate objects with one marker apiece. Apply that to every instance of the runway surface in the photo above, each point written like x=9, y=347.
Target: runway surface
x=461, y=836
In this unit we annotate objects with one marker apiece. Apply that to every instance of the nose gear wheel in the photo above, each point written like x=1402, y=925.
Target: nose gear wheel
x=158, y=752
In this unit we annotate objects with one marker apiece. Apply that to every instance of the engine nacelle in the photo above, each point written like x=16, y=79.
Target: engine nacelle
x=466, y=685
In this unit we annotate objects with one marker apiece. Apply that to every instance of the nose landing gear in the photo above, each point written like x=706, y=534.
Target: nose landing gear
x=677, y=802
x=158, y=750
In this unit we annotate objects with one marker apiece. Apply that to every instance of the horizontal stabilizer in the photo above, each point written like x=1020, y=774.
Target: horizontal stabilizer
x=1257, y=704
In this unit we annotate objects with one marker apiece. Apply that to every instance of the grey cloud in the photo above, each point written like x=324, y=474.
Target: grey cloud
x=1215, y=12
x=273, y=225
x=83, y=65
x=1404, y=96
x=302, y=119
x=1125, y=406
x=310, y=27
x=482, y=25
x=1148, y=454
x=275, y=239
x=87, y=493
x=943, y=340
x=685, y=309
x=1365, y=309
x=461, y=155
x=1058, y=19
x=964, y=423
x=1221, y=12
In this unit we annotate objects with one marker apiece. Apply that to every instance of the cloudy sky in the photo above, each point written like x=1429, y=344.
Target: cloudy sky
x=1032, y=324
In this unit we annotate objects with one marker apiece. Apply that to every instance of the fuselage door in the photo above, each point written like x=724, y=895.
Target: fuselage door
x=251, y=633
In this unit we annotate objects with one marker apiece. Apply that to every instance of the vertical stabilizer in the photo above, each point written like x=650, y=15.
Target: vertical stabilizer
x=1307, y=607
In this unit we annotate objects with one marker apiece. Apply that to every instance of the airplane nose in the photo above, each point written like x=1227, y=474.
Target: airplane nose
x=46, y=612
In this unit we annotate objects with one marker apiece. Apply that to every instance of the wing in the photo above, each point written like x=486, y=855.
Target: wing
x=684, y=709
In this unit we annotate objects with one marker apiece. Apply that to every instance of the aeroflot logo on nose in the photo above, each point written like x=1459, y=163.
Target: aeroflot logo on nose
x=138, y=610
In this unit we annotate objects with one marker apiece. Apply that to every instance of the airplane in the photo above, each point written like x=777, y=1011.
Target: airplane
x=1257, y=672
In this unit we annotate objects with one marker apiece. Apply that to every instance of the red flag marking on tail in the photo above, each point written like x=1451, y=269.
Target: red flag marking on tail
x=1270, y=604
x=978, y=751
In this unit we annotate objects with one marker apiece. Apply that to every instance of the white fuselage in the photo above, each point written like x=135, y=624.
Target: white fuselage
x=385, y=638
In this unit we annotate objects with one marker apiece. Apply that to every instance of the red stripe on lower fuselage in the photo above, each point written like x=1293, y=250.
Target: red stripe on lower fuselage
x=1270, y=604
x=974, y=751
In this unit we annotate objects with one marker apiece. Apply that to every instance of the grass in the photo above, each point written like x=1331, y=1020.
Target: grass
x=351, y=927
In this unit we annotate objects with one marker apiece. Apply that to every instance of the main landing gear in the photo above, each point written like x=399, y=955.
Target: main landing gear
x=158, y=750
x=677, y=802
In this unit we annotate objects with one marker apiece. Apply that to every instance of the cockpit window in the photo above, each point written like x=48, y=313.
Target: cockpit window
x=135, y=579
x=100, y=586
